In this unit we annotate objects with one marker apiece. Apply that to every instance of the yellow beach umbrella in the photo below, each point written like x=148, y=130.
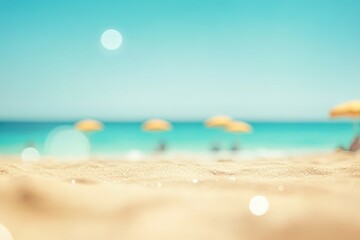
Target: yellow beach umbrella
x=218, y=121
x=156, y=125
x=89, y=125
x=239, y=127
x=350, y=109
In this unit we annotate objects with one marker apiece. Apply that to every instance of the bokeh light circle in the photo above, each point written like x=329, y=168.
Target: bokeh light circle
x=30, y=154
x=66, y=143
x=259, y=205
x=111, y=39
x=5, y=233
x=135, y=155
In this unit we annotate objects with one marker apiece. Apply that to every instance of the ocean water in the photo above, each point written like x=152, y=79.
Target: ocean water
x=120, y=138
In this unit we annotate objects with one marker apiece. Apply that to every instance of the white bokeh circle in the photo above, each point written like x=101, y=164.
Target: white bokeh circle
x=111, y=39
x=30, y=154
x=5, y=233
x=259, y=205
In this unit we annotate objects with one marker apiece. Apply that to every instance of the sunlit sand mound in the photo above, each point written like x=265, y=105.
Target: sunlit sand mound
x=315, y=197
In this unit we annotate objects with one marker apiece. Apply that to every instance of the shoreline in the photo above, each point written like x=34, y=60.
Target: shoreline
x=137, y=155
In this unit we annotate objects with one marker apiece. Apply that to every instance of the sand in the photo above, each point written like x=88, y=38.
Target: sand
x=312, y=197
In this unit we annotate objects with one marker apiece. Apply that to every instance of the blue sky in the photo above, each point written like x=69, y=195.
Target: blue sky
x=181, y=60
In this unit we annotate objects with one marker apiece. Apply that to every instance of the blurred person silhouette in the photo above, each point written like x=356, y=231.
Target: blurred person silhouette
x=235, y=147
x=162, y=146
x=31, y=144
x=355, y=146
x=215, y=147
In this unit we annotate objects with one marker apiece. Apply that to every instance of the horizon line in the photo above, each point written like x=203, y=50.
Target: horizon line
x=124, y=120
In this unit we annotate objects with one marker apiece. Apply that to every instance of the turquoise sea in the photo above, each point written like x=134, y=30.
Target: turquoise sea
x=122, y=137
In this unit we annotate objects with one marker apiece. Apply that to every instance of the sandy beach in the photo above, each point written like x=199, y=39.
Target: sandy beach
x=179, y=120
x=312, y=197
